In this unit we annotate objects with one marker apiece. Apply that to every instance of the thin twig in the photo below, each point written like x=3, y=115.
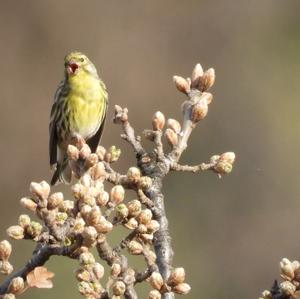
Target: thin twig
x=195, y=168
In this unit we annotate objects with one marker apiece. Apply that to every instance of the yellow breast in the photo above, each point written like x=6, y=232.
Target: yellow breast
x=86, y=102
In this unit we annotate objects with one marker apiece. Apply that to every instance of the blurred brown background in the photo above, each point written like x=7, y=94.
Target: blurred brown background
x=229, y=234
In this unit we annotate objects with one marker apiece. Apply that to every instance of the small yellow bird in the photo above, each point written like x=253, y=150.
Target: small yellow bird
x=79, y=108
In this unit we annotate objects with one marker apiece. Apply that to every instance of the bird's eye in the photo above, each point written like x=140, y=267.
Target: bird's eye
x=82, y=59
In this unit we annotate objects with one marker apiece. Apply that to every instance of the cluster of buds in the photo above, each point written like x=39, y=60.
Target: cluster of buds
x=172, y=131
x=201, y=80
x=135, y=178
x=89, y=275
x=51, y=208
x=81, y=159
x=37, y=203
x=90, y=198
x=200, y=107
x=290, y=287
x=119, y=279
x=140, y=220
x=290, y=272
x=5, y=252
x=222, y=164
x=196, y=88
x=26, y=228
x=175, y=283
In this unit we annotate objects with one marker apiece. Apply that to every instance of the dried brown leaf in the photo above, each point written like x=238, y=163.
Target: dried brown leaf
x=40, y=278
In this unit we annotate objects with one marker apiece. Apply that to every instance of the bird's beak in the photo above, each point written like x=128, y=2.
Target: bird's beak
x=72, y=66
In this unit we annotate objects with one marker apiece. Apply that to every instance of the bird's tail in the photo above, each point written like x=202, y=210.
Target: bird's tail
x=63, y=173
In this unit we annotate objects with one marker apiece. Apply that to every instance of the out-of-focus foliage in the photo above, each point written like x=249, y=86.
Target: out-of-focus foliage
x=229, y=234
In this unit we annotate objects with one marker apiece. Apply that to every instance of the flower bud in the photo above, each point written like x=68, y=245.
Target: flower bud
x=16, y=285
x=78, y=191
x=147, y=238
x=153, y=226
x=98, y=270
x=28, y=204
x=156, y=280
x=40, y=190
x=142, y=229
x=98, y=289
x=5, y=250
x=207, y=80
x=145, y=183
x=83, y=275
x=135, y=247
x=9, y=296
x=228, y=157
x=154, y=294
x=78, y=225
x=66, y=206
x=77, y=252
x=85, y=211
x=60, y=217
x=133, y=174
x=113, y=154
x=98, y=171
x=34, y=229
x=174, y=125
x=117, y=194
x=86, y=258
x=176, y=277
x=266, y=294
x=171, y=137
x=91, y=160
x=287, y=288
x=122, y=211
x=182, y=288
x=84, y=152
x=181, y=84
x=102, y=199
x=115, y=270
x=119, y=288
x=86, y=289
x=55, y=200
x=286, y=268
x=89, y=235
x=196, y=74
x=158, y=121
x=94, y=215
x=134, y=208
x=131, y=224
x=145, y=216
x=5, y=267
x=199, y=111
x=86, y=180
x=100, y=152
x=223, y=167
x=15, y=232
x=24, y=220
x=73, y=152
x=104, y=226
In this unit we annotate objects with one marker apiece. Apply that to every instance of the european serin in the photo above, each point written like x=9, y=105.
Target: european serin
x=79, y=108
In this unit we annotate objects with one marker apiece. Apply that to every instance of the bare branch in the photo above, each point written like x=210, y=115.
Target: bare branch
x=196, y=168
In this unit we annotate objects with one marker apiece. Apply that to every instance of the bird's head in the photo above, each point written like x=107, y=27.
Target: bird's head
x=76, y=62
